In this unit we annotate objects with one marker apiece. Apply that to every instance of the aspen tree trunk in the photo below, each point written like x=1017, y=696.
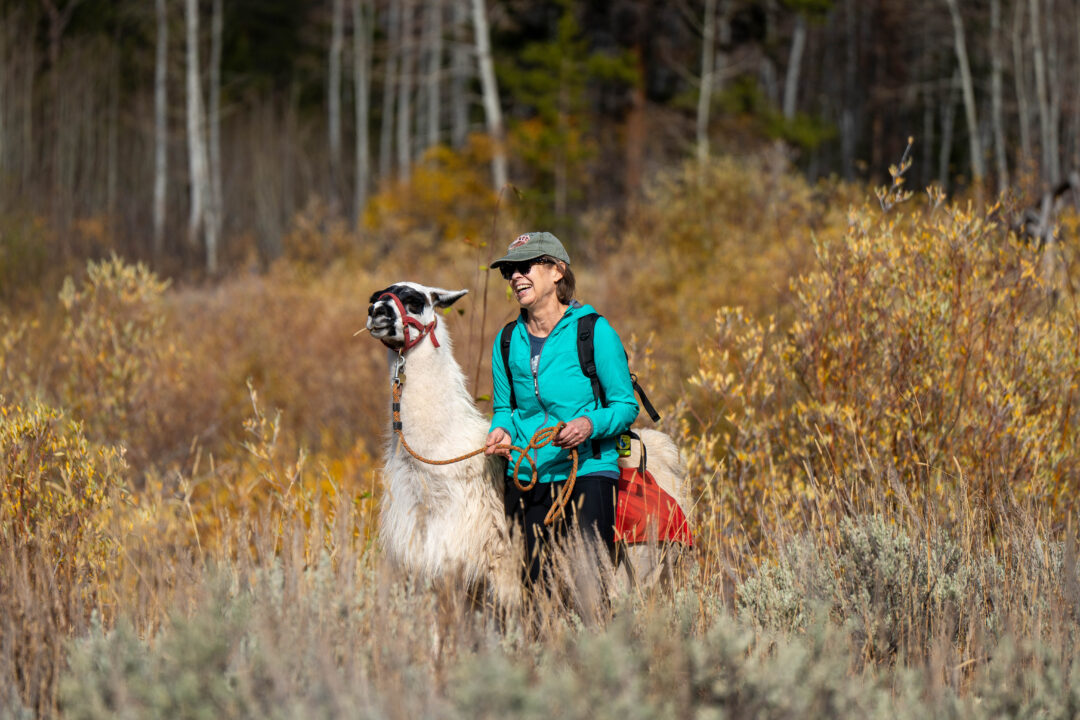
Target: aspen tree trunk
x=404, y=88
x=968, y=89
x=386, y=129
x=1053, y=86
x=363, y=22
x=112, y=144
x=58, y=21
x=1076, y=115
x=333, y=100
x=708, y=49
x=490, y=91
x=996, y=100
x=161, y=155
x=434, y=85
x=196, y=141
x=28, y=116
x=7, y=76
x=791, y=79
x=1040, y=88
x=459, y=70
x=1020, y=81
x=215, y=206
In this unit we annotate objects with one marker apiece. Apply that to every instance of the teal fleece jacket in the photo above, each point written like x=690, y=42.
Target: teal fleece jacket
x=561, y=392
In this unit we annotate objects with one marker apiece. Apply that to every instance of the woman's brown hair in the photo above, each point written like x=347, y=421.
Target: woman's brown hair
x=564, y=289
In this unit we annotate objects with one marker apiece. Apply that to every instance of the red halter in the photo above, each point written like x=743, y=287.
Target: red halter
x=411, y=322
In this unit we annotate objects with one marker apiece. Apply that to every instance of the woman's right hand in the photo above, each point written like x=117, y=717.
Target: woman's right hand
x=498, y=441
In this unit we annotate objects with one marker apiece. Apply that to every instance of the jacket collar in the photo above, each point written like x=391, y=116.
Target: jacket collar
x=576, y=309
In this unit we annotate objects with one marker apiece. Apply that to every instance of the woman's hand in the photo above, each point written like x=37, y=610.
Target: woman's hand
x=576, y=432
x=497, y=442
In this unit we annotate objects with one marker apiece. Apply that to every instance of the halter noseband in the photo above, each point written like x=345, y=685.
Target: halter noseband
x=408, y=322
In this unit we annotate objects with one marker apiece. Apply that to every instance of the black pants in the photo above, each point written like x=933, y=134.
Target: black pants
x=591, y=508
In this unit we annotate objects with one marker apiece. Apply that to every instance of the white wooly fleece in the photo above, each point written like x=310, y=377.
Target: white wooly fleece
x=445, y=522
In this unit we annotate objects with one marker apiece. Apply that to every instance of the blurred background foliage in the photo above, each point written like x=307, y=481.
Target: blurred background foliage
x=875, y=391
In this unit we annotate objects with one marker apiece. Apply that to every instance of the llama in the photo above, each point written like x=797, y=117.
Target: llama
x=444, y=522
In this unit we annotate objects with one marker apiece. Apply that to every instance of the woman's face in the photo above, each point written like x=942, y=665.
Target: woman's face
x=533, y=283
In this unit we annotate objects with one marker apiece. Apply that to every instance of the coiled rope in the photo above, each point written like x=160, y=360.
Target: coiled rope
x=542, y=437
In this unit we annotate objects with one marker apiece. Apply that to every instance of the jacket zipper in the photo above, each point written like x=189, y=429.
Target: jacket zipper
x=539, y=359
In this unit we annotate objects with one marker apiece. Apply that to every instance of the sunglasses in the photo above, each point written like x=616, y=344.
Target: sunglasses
x=523, y=267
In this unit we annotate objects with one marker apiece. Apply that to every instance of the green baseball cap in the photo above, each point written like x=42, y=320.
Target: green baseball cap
x=533, y=245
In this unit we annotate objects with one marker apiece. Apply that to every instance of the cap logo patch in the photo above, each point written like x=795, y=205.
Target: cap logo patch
x=521, y=240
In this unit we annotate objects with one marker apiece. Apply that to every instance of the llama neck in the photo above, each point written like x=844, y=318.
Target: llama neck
x=434, y=380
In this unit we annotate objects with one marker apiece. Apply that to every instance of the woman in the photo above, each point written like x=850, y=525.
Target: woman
x=550, y=387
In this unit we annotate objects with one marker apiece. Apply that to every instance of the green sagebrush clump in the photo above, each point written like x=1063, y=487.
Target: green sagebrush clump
x=655, y=663
x=230, y=660
x=274, y=640
x=889, y=591
x=321, y=641
x=183, y=674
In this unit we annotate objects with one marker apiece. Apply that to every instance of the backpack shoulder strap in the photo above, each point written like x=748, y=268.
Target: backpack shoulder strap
x=587, y=354
x=504, y=347
x=587, y=359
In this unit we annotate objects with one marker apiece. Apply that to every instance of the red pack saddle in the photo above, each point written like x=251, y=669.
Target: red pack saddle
x=645, y=512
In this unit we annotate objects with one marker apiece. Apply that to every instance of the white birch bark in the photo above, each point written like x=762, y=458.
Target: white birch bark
x=333, y=98
x=708, y=50
x=996, y=96
x=434, y=70
x=28, y=130
x=386, y=129
x=112, y=144
x=197, y=161
x=489, y=88
x=1040, y=87
x=404, y=88
x=215, y=206
x=161, y=155
x=363, y=22
x=1053, y=88
x=459, y=70
x=791, y=78
x=7, y=76
x=968, y=89
x=1023, y=105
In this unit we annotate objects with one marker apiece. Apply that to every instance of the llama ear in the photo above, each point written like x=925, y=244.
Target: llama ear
x=446, y=298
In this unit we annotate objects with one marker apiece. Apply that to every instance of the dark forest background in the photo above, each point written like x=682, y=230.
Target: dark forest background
x=331, y=104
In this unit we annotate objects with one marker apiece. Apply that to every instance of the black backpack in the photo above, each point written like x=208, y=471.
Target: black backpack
x=587, y=360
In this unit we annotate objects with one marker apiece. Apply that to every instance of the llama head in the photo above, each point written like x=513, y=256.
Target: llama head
x=418, y=303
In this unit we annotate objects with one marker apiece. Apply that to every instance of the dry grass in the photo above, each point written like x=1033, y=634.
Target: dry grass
x=885, y=479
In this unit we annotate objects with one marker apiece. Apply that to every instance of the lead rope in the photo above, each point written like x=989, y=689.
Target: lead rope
x=540, y=438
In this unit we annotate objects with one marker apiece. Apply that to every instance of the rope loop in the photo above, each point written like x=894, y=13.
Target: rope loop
x=542, y=437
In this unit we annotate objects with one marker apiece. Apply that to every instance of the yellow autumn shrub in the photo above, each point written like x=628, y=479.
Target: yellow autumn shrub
x=927, y=364
x=113, y=343
x=57, y=488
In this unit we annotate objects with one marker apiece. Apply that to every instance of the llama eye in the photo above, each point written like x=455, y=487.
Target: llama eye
x=415, y=308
